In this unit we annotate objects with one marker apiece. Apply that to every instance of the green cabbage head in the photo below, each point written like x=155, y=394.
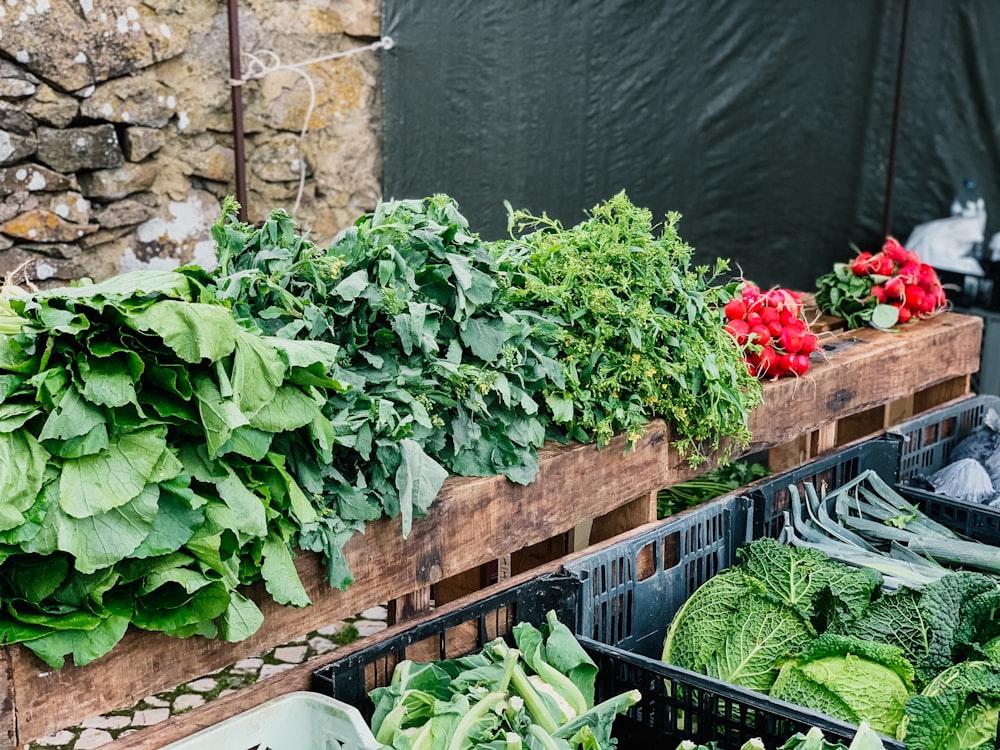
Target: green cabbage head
x=958, y=710
x=850, y=679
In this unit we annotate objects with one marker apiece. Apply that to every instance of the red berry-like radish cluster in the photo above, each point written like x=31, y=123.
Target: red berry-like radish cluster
x=769, y=325
x=901, y=280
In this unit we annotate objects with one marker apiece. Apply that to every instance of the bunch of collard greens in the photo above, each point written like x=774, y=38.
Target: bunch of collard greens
x=143, y=440
x=790, y=622
x=639, y=332
x=537, y=695
x=439, y=362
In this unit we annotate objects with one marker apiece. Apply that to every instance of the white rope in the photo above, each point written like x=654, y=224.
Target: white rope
x=266, y=62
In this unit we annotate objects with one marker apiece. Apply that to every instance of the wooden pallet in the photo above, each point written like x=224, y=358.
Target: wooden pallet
x=868, y=379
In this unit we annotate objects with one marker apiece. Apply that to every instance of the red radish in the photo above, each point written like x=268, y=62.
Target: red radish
x=769, y=361
x=790, y=340
x=753, y=318
x=787, y=317
x=882, y=265
x=895, y=288
x=800, y=364
x=808, y=343
x=878, y=292
x=735, y=309
x=769, y=315
x=904, y=311
x=860, y=264
x=911, y=257
x=739, y=330
x=914, y=297
x=927, y=277
x=785, y=362
x=760, y=334
x=928, y=304
x=894, y=250
x=910, y=273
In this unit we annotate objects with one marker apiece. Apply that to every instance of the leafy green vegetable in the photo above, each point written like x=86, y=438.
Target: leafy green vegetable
x=640, y=331
x=500, y=697
x=712, y=484
x=741, y=623
x=958, y=710
x=850, y=679
x=842, y=293
x=144, y=483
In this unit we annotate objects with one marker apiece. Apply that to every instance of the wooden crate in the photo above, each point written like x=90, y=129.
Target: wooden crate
x=478, y=521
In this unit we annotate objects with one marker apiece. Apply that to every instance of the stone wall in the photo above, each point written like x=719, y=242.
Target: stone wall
x=116, y=141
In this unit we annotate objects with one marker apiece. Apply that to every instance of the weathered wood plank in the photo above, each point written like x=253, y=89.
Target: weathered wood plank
x=867, y=368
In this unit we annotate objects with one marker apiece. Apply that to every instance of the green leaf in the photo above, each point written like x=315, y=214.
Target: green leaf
x=418, y=479
x=352, y=286
x=249, y=442
x=287, y=409
x=90, y=444
x=280, y=577
x=108, y=382
x=126, y=285
x=175, y=523
x=240, y=620
x=14, y=416
x=485, y=337
x=258, y=372
x=302, y=510
x=102, y=539
x=72, y=417
x=94, y=484
x=194, y=331
x=34, y=579
x=247, y=507
x=561, y=408
x=884, y=316
x=22, y=472
x=83, y=645
x=220, y=416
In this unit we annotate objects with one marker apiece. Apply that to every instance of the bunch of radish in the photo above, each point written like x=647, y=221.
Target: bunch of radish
x=771, y=329
x=899, y=279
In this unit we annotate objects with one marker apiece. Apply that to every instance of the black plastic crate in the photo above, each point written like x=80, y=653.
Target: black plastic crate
x=678, y=704
x=926, y=445
x=772, y=499
x=929, y=439
x=453, y=634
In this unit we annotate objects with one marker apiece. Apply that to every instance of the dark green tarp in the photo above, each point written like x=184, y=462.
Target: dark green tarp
x=765, y=123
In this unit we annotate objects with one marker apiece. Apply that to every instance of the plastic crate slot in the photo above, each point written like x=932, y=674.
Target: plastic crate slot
x=645, y=562
x=671, y=551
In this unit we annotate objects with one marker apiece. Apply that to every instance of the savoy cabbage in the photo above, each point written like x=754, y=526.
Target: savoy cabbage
x=958, y=710
x=850, y=679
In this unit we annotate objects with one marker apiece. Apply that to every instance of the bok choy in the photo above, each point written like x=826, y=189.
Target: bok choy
x=536, y=694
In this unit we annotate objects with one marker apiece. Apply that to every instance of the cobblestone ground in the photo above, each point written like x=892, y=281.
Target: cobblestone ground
x=153, y=709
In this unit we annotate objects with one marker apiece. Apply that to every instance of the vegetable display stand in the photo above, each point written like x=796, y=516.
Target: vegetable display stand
x=478, y=521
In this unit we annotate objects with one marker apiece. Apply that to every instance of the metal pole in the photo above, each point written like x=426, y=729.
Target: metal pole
x=891, y=168
x=236, y=90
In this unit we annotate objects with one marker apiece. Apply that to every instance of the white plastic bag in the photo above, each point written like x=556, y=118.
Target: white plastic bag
x=950, y=244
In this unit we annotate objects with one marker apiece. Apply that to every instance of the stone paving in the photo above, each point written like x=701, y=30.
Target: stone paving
x=153, y=709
